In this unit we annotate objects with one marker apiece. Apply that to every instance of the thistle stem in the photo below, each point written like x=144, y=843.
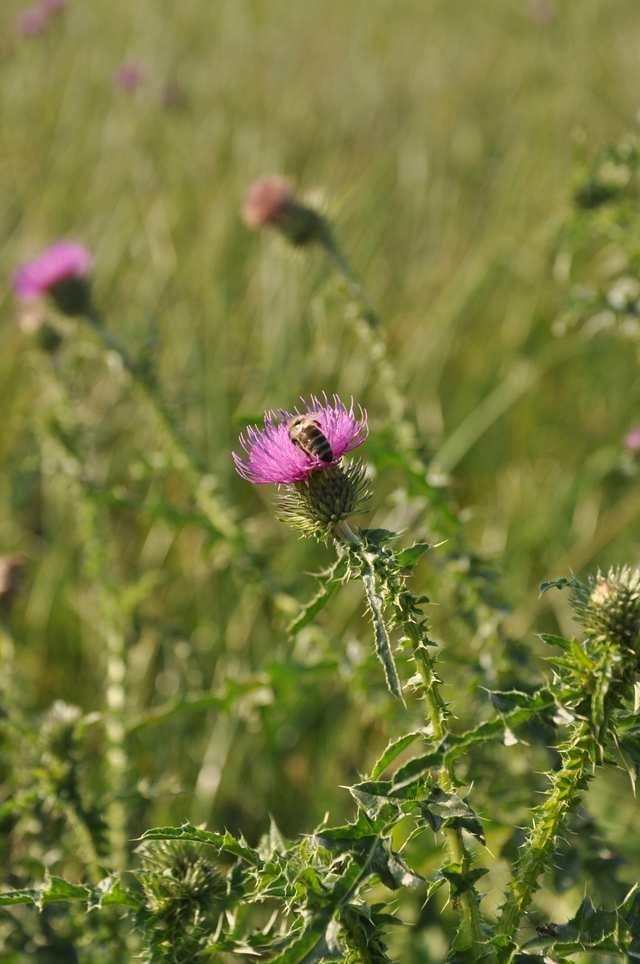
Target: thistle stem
x=368, y=330
x=567, y=786
x=437, y=717
x=202, y=483
x=343, y=531
x=108, y=625
x=7, y=667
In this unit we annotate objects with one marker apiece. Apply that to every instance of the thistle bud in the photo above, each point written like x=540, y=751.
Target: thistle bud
x=316, y=505
x=270, y=202
x=608, y=607
x=184, y=895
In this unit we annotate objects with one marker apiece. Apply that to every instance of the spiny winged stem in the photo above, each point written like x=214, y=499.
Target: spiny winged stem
x=108, y=621
x=594, y=679
x=368, y=329
x=548, y=818
x=110, y=627
x=374, y=601
x=183, y=458
x=471, y=937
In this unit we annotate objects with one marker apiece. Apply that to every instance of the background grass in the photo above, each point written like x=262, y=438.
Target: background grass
x=442, y=138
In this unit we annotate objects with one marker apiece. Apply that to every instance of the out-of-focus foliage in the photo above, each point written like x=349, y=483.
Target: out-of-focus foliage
x=157, y=671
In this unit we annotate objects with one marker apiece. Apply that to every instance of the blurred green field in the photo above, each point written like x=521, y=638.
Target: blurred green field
x=443, y=139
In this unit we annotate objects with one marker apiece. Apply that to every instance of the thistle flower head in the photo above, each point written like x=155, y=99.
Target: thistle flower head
x=608, y=606
x=265, y=201
x=302, y=450
x=60, y=271
x=270, y=202
x=274, y=458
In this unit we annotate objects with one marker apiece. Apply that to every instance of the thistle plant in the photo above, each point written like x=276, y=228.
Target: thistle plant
x=319, y=499
x=62, y=273
x=193, y=893
x=271, y=203
x=361, y=890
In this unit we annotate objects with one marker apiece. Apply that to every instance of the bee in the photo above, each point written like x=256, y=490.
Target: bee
x=305, y=432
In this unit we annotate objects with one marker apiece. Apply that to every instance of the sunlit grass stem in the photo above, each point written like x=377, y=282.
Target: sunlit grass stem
x=368, y=328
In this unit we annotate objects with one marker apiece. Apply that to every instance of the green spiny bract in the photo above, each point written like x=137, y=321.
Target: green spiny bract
x=184, y=894
x=608, y=607
x=329, y=496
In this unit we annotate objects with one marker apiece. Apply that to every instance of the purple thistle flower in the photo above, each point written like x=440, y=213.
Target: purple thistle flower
x=128, y=76
x=32, y=22
x=632, y=439
x=62, y=261
x=274, y=459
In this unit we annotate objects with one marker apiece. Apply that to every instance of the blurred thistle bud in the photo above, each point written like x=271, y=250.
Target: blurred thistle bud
x=61, y=271
x=59, y=732
x=32, y=320
x=270, y=202
x=301, y=451
x=33, y=21
x=128, y=77
x=11, y=577
x=184, y=893
x=608, y=607
x=632, y=440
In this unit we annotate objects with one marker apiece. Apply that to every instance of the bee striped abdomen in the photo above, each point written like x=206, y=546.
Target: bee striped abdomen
x=305, y=432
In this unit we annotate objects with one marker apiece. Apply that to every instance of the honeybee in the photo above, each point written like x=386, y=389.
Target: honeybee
x=305, y=432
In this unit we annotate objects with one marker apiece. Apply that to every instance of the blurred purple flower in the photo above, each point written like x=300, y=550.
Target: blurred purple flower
x=632, y=439
x=266, y=200
x=128, y=76
x=273, y=457
x=60, y=262
x=32, y=22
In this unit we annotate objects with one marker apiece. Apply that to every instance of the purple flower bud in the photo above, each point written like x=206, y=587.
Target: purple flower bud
x=32, y=22
x=128, y=76
x=266, y=201
x=270, y=202
x=632, y=439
